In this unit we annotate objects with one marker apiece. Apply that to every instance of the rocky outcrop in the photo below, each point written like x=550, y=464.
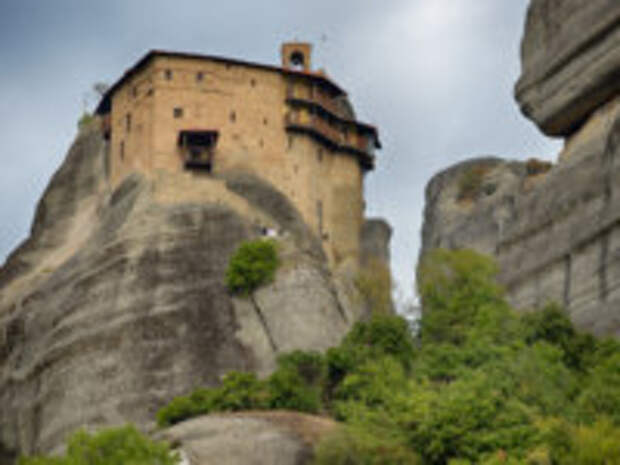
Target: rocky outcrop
x=376, y=236
x=570, y=62
x=116, y=303
x=555, y=234
x=254, y=438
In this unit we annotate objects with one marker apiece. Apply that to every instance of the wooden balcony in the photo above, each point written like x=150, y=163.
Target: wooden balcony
x=332, y=135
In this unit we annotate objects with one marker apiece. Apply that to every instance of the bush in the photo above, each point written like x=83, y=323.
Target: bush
x=238, y=391
x=109, y=447
x=252, y=265
x=552, y=325
x=349, y=446
x=470, y=183
x=455, y=287
x=298, y=382
x=534, y=166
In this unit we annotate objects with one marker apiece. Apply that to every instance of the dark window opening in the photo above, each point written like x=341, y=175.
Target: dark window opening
x=253, y=82
x=122, y=150
x=168, y=74
x=198, y=148
x=178, y=112
x=265, y=121
x=320, y=155
x=297, y=60
x=200, y=76
x=128, y=122
x=233, y=116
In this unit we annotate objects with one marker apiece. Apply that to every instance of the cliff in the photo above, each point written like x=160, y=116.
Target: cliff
x=116, y=302
x=555, y=233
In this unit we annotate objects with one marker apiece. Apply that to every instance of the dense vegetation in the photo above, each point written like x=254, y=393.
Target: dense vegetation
x=110, y=447
x=478, y=383
x=251, y=266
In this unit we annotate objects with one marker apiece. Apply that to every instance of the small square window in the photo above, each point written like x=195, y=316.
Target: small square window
x=168, y=74
x=178, y=112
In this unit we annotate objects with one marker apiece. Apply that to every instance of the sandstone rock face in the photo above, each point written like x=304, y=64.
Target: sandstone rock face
x=376, y=236
x=556, y=236
x=260, y=438
x=570, y=62
x=116, y=303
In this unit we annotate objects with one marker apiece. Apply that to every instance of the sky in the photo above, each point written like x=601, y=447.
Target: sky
x=435, y=76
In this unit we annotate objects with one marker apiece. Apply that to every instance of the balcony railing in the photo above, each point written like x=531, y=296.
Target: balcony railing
x=331, y=135
x=313, y=95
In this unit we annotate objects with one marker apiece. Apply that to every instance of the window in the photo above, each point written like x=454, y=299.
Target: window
x=265, y=121
x=233, y=116
x=128, y=122
x=253, y=82
x=320, y=155
x=297, y=60
x=134, y=91
x=122, y=150
x=168, y=74
x=178, y=112
x=200, y=76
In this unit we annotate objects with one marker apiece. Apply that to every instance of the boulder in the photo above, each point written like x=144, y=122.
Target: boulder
x=254, y=438
x=570, y=58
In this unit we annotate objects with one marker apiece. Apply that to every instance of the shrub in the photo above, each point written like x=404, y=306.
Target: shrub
x=601, y=395
x=298, y=382
x=470, y=183
x=356, y=446
x=455, y=286
x=251, y=266
x=109, y=447
x=552, y=325
x=534, y=166
x=85, y=120
x=471, y=417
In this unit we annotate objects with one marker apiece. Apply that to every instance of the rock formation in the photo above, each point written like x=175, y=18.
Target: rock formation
x=116, y=303
x=570, y=57
x=256, y=438
x=556, y=233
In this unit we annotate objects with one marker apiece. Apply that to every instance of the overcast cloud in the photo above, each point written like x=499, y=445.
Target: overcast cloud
x=436, y=77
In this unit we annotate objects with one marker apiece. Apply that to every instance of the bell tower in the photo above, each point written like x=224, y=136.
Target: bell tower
x=297, y=56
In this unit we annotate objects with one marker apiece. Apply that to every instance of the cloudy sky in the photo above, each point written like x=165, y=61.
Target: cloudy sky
x=436, y=76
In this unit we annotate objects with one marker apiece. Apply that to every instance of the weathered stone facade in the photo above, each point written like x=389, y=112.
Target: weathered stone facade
x=291, y=127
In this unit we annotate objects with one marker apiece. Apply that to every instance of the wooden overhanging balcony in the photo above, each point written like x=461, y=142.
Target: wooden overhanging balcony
x=337, y=134
x=198, y=148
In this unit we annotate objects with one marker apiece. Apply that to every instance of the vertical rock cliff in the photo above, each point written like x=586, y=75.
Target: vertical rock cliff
x=555, y=232
x=116, y=302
